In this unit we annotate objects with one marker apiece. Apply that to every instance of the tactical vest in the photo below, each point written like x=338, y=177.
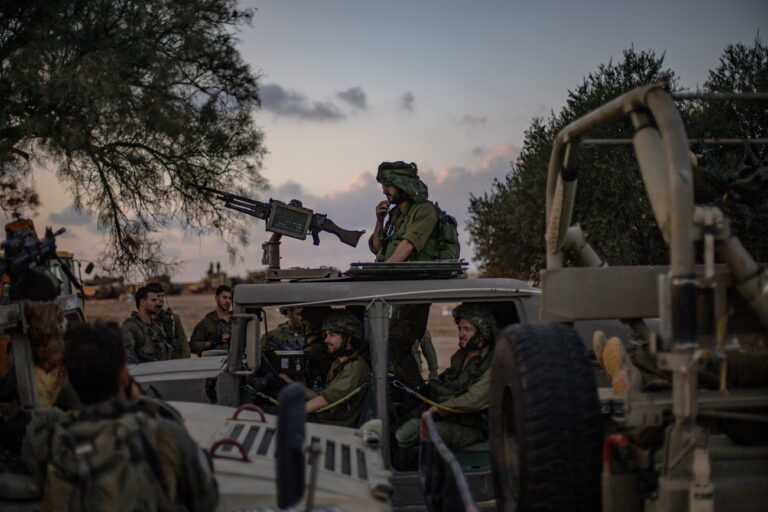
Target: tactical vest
x=106, y=462
x=455, y=381
x=443, y=243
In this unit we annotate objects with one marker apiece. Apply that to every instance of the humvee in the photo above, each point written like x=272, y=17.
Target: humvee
x=372, y=290
x=558, y=442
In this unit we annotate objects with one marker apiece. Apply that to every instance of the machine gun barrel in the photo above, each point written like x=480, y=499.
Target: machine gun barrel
x=270, y=212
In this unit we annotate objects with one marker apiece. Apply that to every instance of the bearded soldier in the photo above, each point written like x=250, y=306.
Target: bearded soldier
x=170, y=323
x=143, y=338
x=215, y=329
x=349, y=372
x=464, y=385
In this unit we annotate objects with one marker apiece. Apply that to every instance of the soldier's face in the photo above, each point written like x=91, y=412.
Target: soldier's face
x=224, y=301
x=160, y=301
x=334, y=341
x=294, y=317
x=152, y=303
x=466, y=331
x=390, y=191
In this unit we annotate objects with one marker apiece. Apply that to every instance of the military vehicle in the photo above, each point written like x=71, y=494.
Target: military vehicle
x=370, y=289
x=560, y=443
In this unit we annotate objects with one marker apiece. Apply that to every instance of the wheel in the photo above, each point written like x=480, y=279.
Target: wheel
x=544, y=421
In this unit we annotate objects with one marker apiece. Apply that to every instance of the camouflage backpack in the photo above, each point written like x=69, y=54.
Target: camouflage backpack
x=105, y=463
x=447, y=236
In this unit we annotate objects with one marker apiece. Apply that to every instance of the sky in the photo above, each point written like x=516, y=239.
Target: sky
x=450, y=85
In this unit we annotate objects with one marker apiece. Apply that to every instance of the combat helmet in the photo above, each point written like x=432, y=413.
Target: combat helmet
x=480, y=317
x=344, y=322
x=404, y=176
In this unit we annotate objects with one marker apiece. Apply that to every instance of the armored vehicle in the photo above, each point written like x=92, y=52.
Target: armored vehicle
x=371, y=290
x=558, y=442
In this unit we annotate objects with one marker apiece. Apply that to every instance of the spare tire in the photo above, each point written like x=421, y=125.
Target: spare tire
x=544, y=421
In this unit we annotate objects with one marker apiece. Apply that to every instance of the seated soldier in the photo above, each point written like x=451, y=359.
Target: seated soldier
x=289, y=335
x=349, y=371
x=118, y=451
x=464, y=386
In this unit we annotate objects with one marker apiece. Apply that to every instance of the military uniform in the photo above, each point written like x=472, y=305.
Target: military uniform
x=283, y=337
x=210, y=328
x=416, y=223
x=342, y=379
x=458, y=387
x=145, y=341
x=174, y=332
x=118, y=455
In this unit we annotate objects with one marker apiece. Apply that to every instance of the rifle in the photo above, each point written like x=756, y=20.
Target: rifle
x=290, y=219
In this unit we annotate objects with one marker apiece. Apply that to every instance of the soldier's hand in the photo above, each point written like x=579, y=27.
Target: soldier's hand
x=381, y=210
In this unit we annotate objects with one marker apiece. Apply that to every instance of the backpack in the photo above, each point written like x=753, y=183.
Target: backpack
x=447, y=236
x=106, y=463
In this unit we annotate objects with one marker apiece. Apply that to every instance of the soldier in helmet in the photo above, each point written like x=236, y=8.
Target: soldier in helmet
x=344, y=339
x=289, y=335
x=464, y=385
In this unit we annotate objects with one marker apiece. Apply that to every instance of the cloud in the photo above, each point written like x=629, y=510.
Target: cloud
x=479, y=151
x=70, y=217
x=407, y=102
x=474, y=121
x=352, y=206
x=287, y=103
x=355, y=96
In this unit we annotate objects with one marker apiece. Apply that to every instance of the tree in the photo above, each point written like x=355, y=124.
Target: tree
x=135, y=104
x=506, y=225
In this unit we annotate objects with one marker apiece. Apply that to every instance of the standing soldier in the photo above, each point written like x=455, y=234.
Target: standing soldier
x=143, y=338
x=215, y=329
x=289, y=335
x=415, y=230
x=170, y=323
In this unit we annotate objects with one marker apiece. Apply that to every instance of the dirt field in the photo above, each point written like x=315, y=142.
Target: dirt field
x=191, y=308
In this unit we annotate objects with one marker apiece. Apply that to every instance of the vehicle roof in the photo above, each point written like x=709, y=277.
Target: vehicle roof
x=362, y=292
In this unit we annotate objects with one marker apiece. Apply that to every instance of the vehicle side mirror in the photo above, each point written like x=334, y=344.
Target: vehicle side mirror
x=291, y=433
x=89, y=267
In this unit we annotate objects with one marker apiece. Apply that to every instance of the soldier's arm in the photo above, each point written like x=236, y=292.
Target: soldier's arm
x=316, y=403
x=196, y=487
x=374, y=242
x=475, y=397
x=184, y=350
x=352, y=376
x=130, y=344
x=417, y=232
x=200, y=335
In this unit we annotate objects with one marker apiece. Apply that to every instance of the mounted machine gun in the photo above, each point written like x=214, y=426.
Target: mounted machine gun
x=290, y=219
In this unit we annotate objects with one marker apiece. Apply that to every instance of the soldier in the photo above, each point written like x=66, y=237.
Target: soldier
x=215, y=329
x=289, y=335
x=349, y=371
x=117, y=451
x=464, y=385
x=410, y=233
x=170, y=323
x=143, y=338
x=414, y=231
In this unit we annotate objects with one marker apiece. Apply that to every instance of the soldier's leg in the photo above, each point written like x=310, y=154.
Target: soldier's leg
x=408, y=323
x=459, y=436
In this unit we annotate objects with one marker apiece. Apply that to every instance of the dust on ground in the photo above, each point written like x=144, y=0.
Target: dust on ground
x=192, y=308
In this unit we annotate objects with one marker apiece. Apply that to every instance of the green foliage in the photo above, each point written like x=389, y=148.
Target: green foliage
x=507, y=224
x=134, y=104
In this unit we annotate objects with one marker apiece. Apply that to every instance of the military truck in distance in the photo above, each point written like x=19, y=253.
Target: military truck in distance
x=651, y=450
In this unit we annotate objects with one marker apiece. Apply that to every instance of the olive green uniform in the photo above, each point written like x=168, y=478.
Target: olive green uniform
x=145, y=341
x=343, y=378
x=458, y=387
x=413, y=222
x=174, y=332
x=172, y=471
x=283, y=337
x=210, y=328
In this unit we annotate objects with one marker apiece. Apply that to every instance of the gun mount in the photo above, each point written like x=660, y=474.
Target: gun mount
x=290, y=219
